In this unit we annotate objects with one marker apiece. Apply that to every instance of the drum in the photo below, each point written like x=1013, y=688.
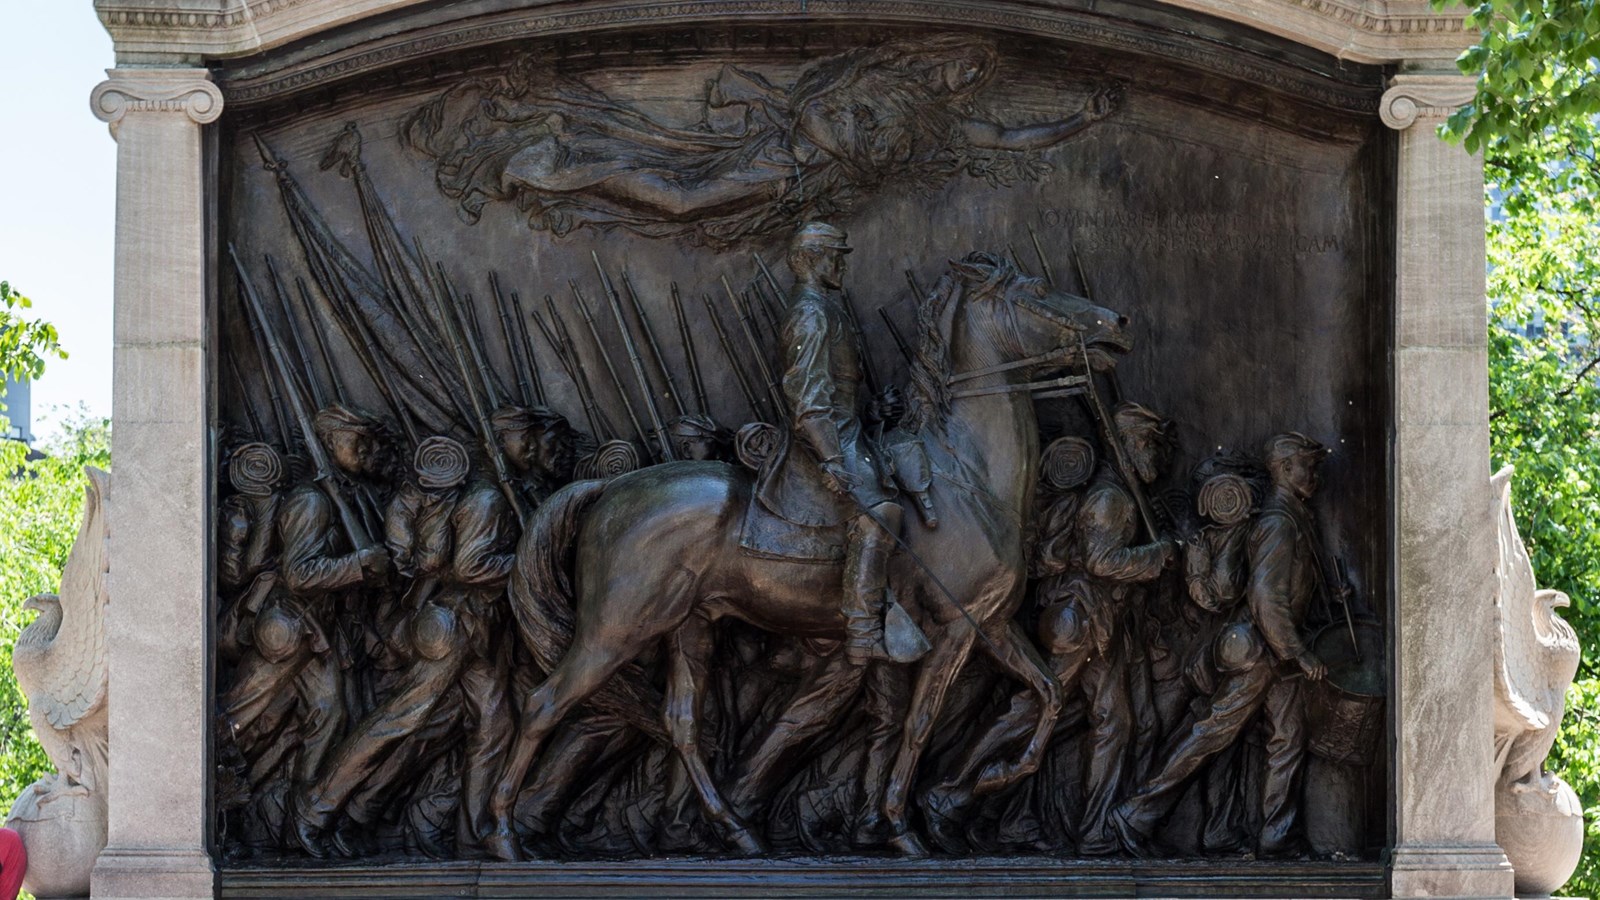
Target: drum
x=1344, y=712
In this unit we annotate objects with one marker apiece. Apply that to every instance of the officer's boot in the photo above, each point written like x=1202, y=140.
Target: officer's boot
x=866, y=573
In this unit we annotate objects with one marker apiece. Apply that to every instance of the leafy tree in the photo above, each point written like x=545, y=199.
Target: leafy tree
x=41, y=502
x=1536, y=119
x=25, y=343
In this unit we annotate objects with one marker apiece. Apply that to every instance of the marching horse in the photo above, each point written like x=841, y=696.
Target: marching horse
x=608, y=570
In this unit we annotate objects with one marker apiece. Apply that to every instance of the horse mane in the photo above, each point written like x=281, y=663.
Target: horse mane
x=978, y=272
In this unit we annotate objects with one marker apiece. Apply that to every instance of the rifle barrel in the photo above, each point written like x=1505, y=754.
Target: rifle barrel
x=733, y=358
x=561, y=351
x=779, y=407
x=686, y=337
x=307, y=373
x=353, y=526
x=1044, y=262
x=605, y=357
x=339, y=390
x=508, y=332
x=655, y=347
x=899, y=339
x=534, y=377
x=664, y=450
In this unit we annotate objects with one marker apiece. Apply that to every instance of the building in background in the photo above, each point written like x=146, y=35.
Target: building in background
x=19, y=412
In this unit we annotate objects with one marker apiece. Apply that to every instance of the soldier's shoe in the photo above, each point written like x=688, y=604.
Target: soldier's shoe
x=1132, y=841
x=309, y=836
x=941, y=810
x=350, y=841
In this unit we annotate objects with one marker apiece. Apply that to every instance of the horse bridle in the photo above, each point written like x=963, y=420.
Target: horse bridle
x=1064, y=386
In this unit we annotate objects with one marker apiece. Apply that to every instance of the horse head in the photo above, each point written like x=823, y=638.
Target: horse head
x=1033, y=321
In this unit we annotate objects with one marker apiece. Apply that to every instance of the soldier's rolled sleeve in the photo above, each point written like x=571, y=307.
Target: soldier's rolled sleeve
x=486, y=538
x=309, y=564
x=1272, y=557
x=1108, y=522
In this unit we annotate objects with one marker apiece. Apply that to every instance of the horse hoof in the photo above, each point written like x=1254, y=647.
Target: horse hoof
x=746, y=843
x=502, y=845
x=907, y=844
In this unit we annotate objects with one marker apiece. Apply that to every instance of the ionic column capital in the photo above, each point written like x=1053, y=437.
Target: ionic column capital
x=187, y=91
x=1429, y=98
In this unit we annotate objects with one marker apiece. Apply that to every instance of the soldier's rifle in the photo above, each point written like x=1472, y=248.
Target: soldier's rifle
x=686, y=337
x=306, y=303
x=655, y=347
x=632, y=349
x=1044, y=262
x=318, y=397
x=598, y=425
x=527, y=345
x=733, y=358
x=779, y=406
x=508, y=331
x=611, y=369
x=1111, y=436
x=455, y=335
x=360, y=539
x=894, y=333
x=244, y=395
x=280, y=413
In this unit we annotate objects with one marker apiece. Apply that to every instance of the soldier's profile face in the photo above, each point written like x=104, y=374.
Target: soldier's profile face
x=696, y=448
x=552, y=452
x=352, y=451
x=830, y=269
x=1300, y=473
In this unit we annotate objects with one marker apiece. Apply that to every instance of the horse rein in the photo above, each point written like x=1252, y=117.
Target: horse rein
x=1064, y=386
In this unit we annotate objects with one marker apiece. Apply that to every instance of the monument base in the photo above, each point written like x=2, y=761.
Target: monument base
x=132, y=872
x=1451, y=870
x=815, y=876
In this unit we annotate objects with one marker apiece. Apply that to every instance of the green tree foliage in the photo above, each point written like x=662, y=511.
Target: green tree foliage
x=25, y=343
x=41, y=503
x=1536, y=119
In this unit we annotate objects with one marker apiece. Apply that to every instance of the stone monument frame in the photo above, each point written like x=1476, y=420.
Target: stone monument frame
x=159, y=101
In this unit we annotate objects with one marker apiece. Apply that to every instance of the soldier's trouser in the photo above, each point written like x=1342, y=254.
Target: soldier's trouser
x=1111, y=720
x=888, y=696
x=484, y=684
x=380, y=732
x=1234, y=706
x=583, y=743
x=866, y=574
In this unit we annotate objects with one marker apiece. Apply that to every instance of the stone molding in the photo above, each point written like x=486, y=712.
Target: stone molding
x=1371, y=31
x=188, y=91
x=1426, y=98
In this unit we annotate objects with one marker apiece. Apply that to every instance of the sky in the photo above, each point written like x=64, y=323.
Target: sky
x=58, y=193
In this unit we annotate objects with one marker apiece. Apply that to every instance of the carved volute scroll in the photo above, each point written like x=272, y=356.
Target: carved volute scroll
x=801, y=439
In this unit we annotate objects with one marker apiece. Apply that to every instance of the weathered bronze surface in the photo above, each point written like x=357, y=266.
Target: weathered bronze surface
x=802, y=440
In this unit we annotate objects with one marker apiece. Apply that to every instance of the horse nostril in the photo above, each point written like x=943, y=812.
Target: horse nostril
x=1122, y=321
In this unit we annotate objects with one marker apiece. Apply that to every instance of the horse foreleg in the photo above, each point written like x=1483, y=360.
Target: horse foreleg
x=690, y=649
x=938, y=672
x=580, y=673
x=1012, y=650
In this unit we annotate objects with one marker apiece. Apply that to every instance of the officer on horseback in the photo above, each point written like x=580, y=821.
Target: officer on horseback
x=824, y=473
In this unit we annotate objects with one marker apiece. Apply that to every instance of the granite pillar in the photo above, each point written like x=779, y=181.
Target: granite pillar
x=157, y=632
x=1443, y=686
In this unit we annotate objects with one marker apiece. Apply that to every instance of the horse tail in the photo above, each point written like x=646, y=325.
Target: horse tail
x=542, y=599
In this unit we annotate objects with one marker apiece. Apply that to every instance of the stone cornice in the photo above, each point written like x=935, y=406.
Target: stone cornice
x=1370, y=31
x=187, y=91
x=1424, y=98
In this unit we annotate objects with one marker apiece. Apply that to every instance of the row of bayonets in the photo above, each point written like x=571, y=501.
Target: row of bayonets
x=295, y=395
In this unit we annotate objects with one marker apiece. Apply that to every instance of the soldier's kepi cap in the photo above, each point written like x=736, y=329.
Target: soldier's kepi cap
x=526, y=418
x=822, y=236
x=1291, y=444
x=338, y=417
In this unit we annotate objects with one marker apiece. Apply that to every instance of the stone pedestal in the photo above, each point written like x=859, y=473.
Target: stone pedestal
x=1443, y=687
x=157, y=626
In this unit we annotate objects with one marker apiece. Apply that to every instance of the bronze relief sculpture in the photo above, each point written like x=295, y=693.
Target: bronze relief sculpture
x=508, y=591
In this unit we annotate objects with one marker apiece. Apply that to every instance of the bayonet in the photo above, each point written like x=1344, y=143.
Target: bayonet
x=508, y=331
x=527, y=345
x=632, y=349
x=339, y=390
x=1044, y=263
x=600, y=348
x=598, y=425
x=733, y=358
x=686, y=337
x=324, y=473
x=456, y=334
x=655, y=348
x=779, y=406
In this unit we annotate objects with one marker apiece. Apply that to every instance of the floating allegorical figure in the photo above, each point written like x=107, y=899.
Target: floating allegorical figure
x=60, y=663
x=1260, y=660
x=764, y=158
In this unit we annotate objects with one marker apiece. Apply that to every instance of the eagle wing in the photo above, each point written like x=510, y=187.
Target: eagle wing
x=72, y=679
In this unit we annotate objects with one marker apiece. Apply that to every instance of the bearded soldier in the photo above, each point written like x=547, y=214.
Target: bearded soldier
x=1261, y=660
x=824, y=473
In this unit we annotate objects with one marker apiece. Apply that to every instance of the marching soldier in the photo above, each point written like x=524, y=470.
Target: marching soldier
x=1261, y=660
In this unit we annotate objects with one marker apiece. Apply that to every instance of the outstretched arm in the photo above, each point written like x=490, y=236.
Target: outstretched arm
x=994, y=136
